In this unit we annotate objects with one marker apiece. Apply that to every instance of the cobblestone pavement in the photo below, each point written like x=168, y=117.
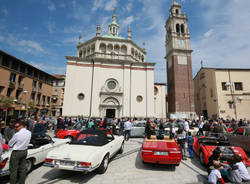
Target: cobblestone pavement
x=123, y=169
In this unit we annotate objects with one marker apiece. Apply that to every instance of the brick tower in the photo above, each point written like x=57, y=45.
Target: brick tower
x=179, y=65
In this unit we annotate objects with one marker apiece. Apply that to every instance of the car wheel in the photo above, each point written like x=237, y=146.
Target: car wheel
x=202, y=158
x=69, y=137
x=29, y=165
x=104, y=165
x=121, y=148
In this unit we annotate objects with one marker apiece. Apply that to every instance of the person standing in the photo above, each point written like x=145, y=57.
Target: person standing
x=9, y=131
x=127, y=128
x=181, y=139
x=19, y=142
x=190, y=145
x=201, y=124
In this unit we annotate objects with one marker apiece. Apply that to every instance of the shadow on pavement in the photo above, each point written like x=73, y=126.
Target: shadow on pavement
x=154, y=167
x=56, y=175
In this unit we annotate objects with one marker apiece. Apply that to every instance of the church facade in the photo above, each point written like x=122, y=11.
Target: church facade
x=110, y=77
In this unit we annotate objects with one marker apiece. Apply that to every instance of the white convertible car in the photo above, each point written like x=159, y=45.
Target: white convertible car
x=90, y=150
x=37, y=152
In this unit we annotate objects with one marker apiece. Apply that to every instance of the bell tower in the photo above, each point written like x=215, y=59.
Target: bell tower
x=179, y=65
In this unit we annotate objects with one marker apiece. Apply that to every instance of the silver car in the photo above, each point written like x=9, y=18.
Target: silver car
x=138, y=129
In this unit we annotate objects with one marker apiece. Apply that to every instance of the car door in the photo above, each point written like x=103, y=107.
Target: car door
x=112, y=145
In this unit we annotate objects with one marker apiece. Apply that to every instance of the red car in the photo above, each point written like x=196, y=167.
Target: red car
x=160, y=151
x=70, y=133
x=204, y=146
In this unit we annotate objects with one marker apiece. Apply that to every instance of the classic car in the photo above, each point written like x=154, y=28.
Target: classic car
x=176, y=126
x=72, y=132
x=138, y=129
x=37, y=152
x=90, y=150
x=160, y=150
x=204, y=146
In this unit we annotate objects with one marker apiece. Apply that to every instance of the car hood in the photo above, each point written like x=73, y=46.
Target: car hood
x=74, y=152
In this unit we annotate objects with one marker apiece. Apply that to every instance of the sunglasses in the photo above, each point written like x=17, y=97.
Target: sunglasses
x=17, y=126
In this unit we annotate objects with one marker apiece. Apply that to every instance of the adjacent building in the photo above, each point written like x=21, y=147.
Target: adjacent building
x=110, y=77
x=179, y=65
x=222, y=92
x=30, y=88
x=57, y=95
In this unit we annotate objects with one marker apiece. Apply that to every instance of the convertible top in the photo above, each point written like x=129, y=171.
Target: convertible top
x=100, y=137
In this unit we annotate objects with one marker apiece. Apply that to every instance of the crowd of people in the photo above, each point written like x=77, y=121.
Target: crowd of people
x=17, y=134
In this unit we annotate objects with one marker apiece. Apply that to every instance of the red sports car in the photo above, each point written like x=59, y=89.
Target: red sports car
x=70, y=133
x=204, y=146
x=160, y=151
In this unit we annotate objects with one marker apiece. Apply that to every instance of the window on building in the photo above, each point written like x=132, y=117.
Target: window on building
x=12, y=77
x=182, y=28
x=34, y=84
x=48, y=100
x=30, y=71
x=224, y=87
x=9, y=92
x=177, y=11
x=238, y=86
x=36, y=74
x=14, y=65
x=6, y=61
x=22, y=68
x=18, y=92
x=38, y=99
x=211, y=93
x=40, y=85
x=177, y=28
x=43, y=100
x=32, y=96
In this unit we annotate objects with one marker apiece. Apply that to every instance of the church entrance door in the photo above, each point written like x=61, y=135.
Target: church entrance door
x=110, y=113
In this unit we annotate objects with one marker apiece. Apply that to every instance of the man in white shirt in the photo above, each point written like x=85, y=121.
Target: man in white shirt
x=19, y=142
x=127, y=128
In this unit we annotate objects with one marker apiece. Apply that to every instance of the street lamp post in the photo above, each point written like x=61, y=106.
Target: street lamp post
x=230, y=84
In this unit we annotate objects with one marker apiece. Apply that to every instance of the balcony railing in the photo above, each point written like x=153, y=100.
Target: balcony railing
x=12, y=84
x=40, y=90
x=20, y=86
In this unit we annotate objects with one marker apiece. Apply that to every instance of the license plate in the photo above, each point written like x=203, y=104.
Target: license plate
x=67, y=163
x=160, y=153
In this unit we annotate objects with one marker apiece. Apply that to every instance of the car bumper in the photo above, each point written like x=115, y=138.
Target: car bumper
x=162, y=159
x=74, y=168
x=4, y=173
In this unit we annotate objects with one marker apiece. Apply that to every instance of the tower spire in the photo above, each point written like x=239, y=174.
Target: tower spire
x=98, y=30
x=114, y=16
x=80, y=38
x=129, y=33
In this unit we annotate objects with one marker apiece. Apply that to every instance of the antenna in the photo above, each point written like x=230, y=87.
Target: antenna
x=201, y=63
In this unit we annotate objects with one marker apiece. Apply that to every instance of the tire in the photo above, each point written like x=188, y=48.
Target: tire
x=202, y=158
x=29, y=165
x=121, y=148
x=104, y=165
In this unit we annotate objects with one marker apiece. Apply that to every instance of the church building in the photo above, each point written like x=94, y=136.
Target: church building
x=110, y=77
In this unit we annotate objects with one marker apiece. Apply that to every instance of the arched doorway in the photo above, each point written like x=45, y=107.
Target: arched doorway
x=110, y=108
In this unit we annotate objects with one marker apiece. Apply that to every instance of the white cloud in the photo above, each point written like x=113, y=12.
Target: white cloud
x=209, y=33
x=70, y=40
x=127, y=21
x=25, y=28
x=129, y=6
x=51, y=6
x=108, y=5
x=30, y=45
x=5, y=11
x=51, y=26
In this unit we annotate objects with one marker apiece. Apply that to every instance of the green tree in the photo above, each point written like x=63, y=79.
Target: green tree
x=7, y=102
x=31, y=106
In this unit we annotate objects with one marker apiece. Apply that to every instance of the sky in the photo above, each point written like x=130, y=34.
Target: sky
x=43, y=32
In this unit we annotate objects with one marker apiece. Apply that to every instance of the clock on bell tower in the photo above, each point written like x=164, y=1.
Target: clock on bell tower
x=179, y=65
